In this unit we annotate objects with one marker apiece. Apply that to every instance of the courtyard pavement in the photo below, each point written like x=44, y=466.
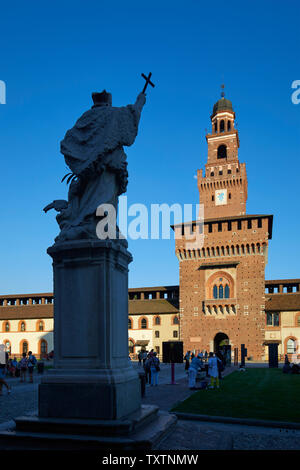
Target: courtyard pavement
x=187, y=435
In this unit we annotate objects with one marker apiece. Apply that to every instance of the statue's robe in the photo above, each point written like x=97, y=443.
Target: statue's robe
x=93, y=150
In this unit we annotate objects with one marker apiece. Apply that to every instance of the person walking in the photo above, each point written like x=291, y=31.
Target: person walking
x=213, y=370
x=154, y=368
x=193, y=369
x=2, y=379
x=23, y=367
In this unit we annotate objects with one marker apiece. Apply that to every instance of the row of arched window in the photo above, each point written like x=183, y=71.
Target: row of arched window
x=24, y=346
x=221, y=291
x=143, y=322
x=40, y=326
x=224, y=126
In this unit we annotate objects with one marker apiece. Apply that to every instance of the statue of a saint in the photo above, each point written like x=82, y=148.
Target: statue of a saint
x=93, y=150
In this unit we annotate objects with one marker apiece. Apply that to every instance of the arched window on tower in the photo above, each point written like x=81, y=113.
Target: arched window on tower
x=221, y=292
x=216, y=126
x=222, y=151
x=220, y=287
x=228, y=125
x=215, y=292
x=222, y=126
x=227, y=291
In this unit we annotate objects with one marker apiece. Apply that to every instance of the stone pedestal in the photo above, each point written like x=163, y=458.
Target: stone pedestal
x=91, y=400
x=92, y=375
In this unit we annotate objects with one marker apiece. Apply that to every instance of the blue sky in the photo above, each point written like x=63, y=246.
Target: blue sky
x=54, y=54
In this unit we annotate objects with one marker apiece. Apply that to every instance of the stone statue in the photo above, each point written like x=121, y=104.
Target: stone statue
x=93, y=150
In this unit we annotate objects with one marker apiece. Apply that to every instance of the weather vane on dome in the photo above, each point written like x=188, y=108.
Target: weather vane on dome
x=222, y=92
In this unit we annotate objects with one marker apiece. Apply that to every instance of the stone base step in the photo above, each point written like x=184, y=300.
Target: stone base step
x=45, y=434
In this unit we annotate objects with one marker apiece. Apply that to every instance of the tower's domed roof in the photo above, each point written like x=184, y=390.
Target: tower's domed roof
x=222, y=105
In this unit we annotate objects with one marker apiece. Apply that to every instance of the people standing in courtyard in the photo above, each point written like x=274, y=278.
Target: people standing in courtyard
x=187, y=360
x=213, y=370
x=147, y=370
x=144, y=357
x=140, y=358
x=23, y=367
x=220, y=364
x=154, y=368
x=31, y=364
x=194, y=366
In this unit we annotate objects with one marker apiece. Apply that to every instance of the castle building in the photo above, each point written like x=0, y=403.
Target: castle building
x=222, y=297
x=222, y=273
x=26, y=321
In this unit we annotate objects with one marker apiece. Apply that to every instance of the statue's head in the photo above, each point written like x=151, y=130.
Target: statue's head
x=102, y=99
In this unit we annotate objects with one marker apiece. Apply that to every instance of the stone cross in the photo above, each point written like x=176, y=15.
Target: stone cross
x=148, y=82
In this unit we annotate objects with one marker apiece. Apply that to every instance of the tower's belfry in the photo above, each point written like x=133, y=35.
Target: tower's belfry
x=223, y=189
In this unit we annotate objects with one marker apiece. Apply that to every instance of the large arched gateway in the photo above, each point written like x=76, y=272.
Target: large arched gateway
x=220, y=340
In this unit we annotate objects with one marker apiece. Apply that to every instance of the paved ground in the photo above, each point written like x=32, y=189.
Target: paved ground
x=192, y=435
x=22, y=400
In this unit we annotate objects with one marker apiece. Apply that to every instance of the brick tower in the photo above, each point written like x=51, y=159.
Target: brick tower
x=222, y=278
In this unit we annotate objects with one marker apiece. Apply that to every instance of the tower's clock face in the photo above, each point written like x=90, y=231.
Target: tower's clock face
x=221, y=197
